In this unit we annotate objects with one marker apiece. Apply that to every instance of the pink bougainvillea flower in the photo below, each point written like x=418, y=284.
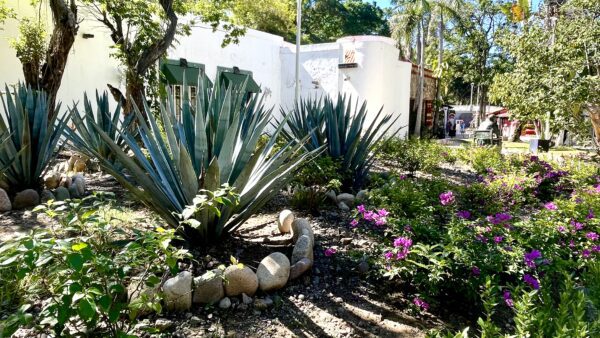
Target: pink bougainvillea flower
x=550, y=206
x=421, y=304
x=592, y=236
x=361, y=209
x=447, y=198
x=586, y=253
x=507, y=298
x=498, y=239
x=464, y=214
x=590, y=214
x=388, y=255
x=354, y=223
x=532, y=281
x=330, y=252
x=369, y=215
x=382, y=213
x=561, y=228
x=530, y=258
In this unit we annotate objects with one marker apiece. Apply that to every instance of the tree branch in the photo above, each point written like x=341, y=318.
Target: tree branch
x=158, y=48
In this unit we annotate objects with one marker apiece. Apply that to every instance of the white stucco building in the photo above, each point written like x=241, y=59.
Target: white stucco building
x=367, y=67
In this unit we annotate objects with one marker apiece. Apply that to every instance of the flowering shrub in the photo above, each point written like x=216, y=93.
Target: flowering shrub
x=415, y=155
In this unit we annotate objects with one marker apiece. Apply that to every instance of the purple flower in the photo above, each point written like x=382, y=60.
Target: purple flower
x=380, y=221
x=354, y=223
x=561, y=228
x=507, y=299
x=408, y=228
x=383, y=213
x=369, y=215
x=447, y=198
x=403, y=242
x=576, y=225
x=402, y=254
x=550, y=206
x=421, y=303
x=361, y=209
x=330, y=252
x=475, y=271
x=590, y=214
x=532, y=281
x=592, y=236
x=388, y=255
x=464, y=214
x=596, y=248
x=499, y=218
x=586, y=253
x=530, y=258
x=498, y=239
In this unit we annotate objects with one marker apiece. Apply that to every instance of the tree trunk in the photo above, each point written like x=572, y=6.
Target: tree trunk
x=594, y=111
x=63, y=35
x=438, y=91
x=134, y=92
x=421, y=82
x=516, y=133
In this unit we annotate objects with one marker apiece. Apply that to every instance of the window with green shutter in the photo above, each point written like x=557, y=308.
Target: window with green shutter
x=181, y=74
x=237, y=77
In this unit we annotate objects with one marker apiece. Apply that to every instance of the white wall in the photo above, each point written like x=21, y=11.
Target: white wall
x=380, y=77
x=89, y=66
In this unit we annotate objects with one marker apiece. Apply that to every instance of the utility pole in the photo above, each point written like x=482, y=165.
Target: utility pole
x=298, y=39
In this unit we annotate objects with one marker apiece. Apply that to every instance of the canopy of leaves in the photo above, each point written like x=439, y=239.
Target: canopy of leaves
x=5, y=12
x=556, y=67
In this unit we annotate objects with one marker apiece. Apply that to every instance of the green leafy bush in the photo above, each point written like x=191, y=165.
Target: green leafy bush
x=312, y=182
x=80, y=271
x=344, y=131
x=208, y=144
x=482, y=159
x=414, y=154
x=29, y=135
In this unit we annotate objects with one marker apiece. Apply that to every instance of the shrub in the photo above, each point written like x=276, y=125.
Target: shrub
x=80, y=271
x=312, y=182
x=414, y=154
x=29, y=135
x=482, y=159
x=206, y=147
x=344, y=131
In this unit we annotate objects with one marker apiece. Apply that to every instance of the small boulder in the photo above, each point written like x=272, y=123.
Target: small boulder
x=26, y=198
x=303, y=249
x=362, y=196
x=5, y=204
x=65, y=181
x=246, y=299
x=46, y=196
x=343, y=206
x=72, y=160
x=208, y=288
x=348, y=199
x=300, y=267
x=52, y=180
x=332, y=196
x=178, y=292
x=301, y=226
x=79, y=166
x=225, y=303
x=73, y=191
x=79, y=183
x=62, y=194
x=240, y=280
x=273, y=272
x=284, y=222
x=163, y=324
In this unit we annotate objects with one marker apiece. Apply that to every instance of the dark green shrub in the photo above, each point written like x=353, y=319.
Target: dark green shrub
x=414, y=155
x=312, y=182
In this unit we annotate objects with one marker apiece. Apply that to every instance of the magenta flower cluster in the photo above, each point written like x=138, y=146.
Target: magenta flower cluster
x=447, y=198
x=530, y=258
x=551, y=206
x=376, y=217
x=464, y=214
x=402, y=247
x=532, y=281
x=507, y=298
x=499, y=218
x=330, y=252
x=421, y=304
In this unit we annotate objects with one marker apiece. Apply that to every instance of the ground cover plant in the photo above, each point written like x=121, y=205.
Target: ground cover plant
x=520, y=244
x=74, y=278
x=208, y=145
x=29, y=135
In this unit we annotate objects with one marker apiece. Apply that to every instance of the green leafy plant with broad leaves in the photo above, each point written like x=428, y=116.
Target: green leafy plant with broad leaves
x=29, y=135
x=80, y=270
x=313, y=181
x=84, y=136
x=343, y=127
x=209, y=143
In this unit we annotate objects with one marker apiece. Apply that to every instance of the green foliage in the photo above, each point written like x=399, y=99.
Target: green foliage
x=312, y=182
x=84, y=137
x=555, y=74
x=205, y=149
x=345, y=132
x=328, y=20
x=81, y=270
x=5, y=12
x=28, y=137
x=31, y=44
x=414, y=154
x=481, y=159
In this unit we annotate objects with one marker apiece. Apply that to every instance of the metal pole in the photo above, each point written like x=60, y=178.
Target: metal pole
x=298, y=38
